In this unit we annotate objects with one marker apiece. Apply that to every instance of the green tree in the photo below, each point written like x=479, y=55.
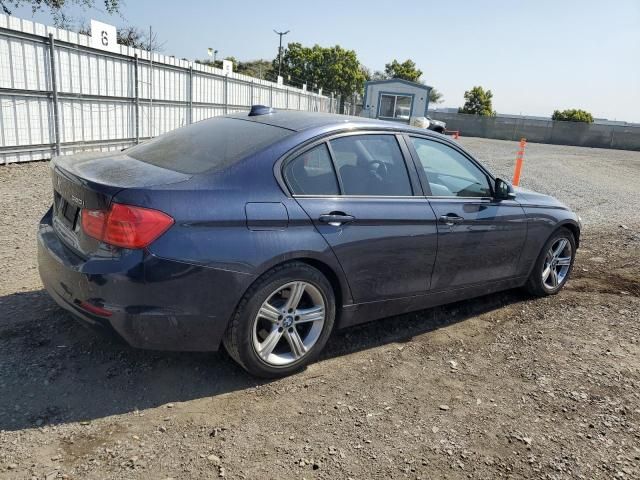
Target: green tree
x=136, y=38
x=260, y=68
x=254, y=68
x=572, y=115
x=366, y=72
x=373, y=75
x=218, y=63
x=406, y=70
x=334, y=69
x=435, y=96
x=56, y=7
x=478, y=102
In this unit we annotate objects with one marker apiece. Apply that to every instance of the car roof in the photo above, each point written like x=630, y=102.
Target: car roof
x=300, y=121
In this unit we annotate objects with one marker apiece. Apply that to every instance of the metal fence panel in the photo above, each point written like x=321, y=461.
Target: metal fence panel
x=100, y=105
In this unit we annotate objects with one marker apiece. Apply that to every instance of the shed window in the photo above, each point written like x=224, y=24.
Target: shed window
x=395, y=106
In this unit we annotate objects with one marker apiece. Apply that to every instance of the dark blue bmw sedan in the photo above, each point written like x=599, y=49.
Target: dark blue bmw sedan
x=266, y=231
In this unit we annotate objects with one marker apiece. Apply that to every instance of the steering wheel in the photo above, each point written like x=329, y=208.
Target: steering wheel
x=379, y=168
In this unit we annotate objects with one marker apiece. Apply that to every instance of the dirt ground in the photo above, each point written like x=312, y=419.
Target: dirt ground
x=503, y=386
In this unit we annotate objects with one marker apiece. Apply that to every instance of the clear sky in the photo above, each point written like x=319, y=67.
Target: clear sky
x=535, y=55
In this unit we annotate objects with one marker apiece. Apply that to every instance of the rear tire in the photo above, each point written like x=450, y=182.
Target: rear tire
x=282, y=322
x=554, y=264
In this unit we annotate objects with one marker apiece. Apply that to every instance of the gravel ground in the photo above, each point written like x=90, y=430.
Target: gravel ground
x=503, y=386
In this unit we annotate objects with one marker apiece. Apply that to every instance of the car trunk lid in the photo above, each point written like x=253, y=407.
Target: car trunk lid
x=90, y=181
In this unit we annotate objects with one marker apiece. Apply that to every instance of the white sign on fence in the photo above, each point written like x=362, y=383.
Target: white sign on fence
x=227, y=67
x=104, y=36
x=280, y=80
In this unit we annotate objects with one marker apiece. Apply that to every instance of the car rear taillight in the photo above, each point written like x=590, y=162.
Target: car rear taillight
x=125, y=226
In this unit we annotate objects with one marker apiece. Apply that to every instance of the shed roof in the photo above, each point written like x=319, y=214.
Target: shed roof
x=399, y=80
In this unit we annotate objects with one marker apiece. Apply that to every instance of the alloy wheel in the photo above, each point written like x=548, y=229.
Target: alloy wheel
x=556, y=264
x=289, y=323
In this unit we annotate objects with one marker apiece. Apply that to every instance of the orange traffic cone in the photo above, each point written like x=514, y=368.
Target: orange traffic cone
x=519, y=160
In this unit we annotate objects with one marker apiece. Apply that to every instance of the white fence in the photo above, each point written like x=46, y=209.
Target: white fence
x=88, y=99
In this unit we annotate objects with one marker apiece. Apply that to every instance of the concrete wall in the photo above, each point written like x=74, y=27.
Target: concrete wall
x=99, y=104
x=374, y=89
x=543, y=131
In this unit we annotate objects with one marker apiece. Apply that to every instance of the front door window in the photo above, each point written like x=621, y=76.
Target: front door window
x=450, y=173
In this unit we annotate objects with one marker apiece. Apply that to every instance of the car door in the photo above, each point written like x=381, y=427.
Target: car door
x=366, y=201
x=479, y=238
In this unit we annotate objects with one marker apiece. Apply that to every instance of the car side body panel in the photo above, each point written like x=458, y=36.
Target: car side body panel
x=387, y=251
x=366, y=312
x=544, y=215
x=485, y=247
x=153, y=303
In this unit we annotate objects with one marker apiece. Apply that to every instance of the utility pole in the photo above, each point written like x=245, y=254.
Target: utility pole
x=280, y=50
x=214, y=54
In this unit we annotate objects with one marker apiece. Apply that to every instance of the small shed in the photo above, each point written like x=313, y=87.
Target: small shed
x=395, y=99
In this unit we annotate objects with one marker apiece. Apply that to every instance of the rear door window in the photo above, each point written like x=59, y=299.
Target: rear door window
x=210, y=145
x=371, y=165
x=311, y=173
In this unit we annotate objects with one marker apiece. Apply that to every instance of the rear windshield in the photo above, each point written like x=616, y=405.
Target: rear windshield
x=212, y=144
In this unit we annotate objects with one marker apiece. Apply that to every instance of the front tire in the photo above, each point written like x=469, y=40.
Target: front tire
x=554, y=264
x=282, y=322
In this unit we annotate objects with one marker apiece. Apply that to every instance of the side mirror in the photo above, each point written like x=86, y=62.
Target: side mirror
x=503, y=190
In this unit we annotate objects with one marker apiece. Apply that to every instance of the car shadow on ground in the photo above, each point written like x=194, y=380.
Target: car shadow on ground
x=53, y=370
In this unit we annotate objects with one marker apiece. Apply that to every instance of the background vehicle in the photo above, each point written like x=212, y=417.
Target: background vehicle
x=265, y=231
x=437, y=125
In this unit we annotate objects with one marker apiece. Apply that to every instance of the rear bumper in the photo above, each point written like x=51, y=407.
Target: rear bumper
x=150, y=302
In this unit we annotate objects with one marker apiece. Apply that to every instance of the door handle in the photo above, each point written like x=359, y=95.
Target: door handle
x=451, y=219
x=335, y=219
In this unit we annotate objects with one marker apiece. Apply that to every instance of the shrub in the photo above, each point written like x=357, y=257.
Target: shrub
x=572, y=115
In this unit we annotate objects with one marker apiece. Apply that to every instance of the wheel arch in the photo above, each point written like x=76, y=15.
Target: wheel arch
x=573, y=227
x=541, y=238
x=531, y=284
x=328, y=272
x=333, y=273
